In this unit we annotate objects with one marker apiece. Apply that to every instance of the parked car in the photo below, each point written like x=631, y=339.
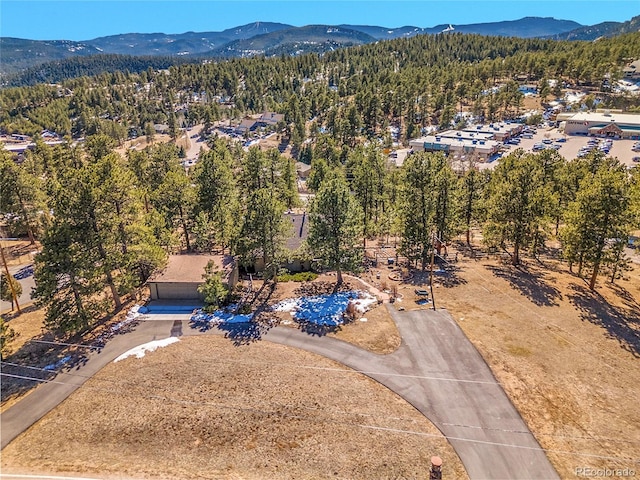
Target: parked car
x=635, y=159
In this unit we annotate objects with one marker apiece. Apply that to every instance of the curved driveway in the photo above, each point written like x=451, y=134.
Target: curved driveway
x=436, y=369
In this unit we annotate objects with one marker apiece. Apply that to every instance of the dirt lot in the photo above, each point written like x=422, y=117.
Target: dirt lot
x=203, y=408
x=567, y=357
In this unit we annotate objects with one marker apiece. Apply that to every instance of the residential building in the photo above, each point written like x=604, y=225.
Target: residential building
x=271, y=118
x=632, y=71
x=184, y=274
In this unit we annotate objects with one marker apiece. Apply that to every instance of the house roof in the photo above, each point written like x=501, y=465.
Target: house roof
x=299, y=231
x=271, y=117
x=302, y=167
x=189, y=268
x=246, y=124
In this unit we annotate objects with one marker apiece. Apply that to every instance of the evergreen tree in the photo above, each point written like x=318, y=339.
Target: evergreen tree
x=335, y=227
x=214, y=291
x=426, y=210
x=468, y=200
x=515, y=203
x=9, y=285
x=598, y=220
x=175, y=199
x=368, y=171
x=264, y=230
x=217, y=194
x=22, y=199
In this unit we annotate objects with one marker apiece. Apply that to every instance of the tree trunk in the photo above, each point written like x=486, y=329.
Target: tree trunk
x=339, y=276
x=594, y=275
x=114, y=290
x=32, y=239
x=185, y=230
x=515, y=258
x=106, y=264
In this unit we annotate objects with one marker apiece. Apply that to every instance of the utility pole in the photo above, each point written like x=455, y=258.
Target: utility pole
x=6, y=270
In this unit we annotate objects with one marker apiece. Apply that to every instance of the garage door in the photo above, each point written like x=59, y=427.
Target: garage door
x=175, y=291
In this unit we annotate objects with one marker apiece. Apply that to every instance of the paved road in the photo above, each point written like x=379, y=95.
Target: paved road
x=27, y=282
x=436, y=369
x=439, y=371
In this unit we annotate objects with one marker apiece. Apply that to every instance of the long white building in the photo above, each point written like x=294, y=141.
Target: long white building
x=601, y=123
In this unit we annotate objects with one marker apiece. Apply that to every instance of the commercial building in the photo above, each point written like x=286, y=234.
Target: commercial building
x=601, y=123
x=632, y=71
x=498, y=131
x=479, y=141
x=481, y=149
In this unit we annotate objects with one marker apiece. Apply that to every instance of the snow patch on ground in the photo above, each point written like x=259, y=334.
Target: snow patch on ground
x=55, y=366
x=141, y=350
x=220, y=316
x=326, y=309
x=319, y=309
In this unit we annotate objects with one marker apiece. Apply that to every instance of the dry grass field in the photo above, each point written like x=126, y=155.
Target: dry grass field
x=567, y=357
x=202, y=408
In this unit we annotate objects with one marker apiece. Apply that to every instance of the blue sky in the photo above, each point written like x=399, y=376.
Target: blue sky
x=87, y=19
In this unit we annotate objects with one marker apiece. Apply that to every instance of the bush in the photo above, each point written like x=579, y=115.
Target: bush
x=297, y=277
x=245, y=309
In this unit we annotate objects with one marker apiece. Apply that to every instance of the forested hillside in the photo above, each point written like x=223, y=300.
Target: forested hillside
x=414, y=82
x=257, y=38
x=106, y=222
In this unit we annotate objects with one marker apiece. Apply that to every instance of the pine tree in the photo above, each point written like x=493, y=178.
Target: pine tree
x=368, y=172
x=598, y=219
x=22, y=198
x=426, y=209
x=335, y=227
x=515, y=203
x=9, y=285
x=264, y=230
x=217, y=193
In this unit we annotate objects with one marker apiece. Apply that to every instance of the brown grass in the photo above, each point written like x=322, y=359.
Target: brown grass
x=203, y=408
x=567, y=357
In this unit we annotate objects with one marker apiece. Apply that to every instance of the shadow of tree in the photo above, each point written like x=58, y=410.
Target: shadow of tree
x=447, y=275
x=244, y=333
x=530, y=283
x=40, y=360
x=317, y=329
x=46, y=355
x=620, y=324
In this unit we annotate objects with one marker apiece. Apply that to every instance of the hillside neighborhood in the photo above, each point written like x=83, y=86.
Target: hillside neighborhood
x=406, y=259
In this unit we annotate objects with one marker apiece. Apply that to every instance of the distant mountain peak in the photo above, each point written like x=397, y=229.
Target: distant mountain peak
x=271, y=38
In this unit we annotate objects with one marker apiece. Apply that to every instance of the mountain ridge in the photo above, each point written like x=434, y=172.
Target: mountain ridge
x=259, y=38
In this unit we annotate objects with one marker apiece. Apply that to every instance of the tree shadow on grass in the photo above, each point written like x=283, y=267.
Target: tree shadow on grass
x=621, y=324
x=529, y=283
x=38, y=361
x=446, y=275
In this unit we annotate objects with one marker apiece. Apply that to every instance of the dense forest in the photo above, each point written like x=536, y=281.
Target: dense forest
x=106, y=222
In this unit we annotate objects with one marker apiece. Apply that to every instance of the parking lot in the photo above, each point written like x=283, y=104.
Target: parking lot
x=570, y=145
